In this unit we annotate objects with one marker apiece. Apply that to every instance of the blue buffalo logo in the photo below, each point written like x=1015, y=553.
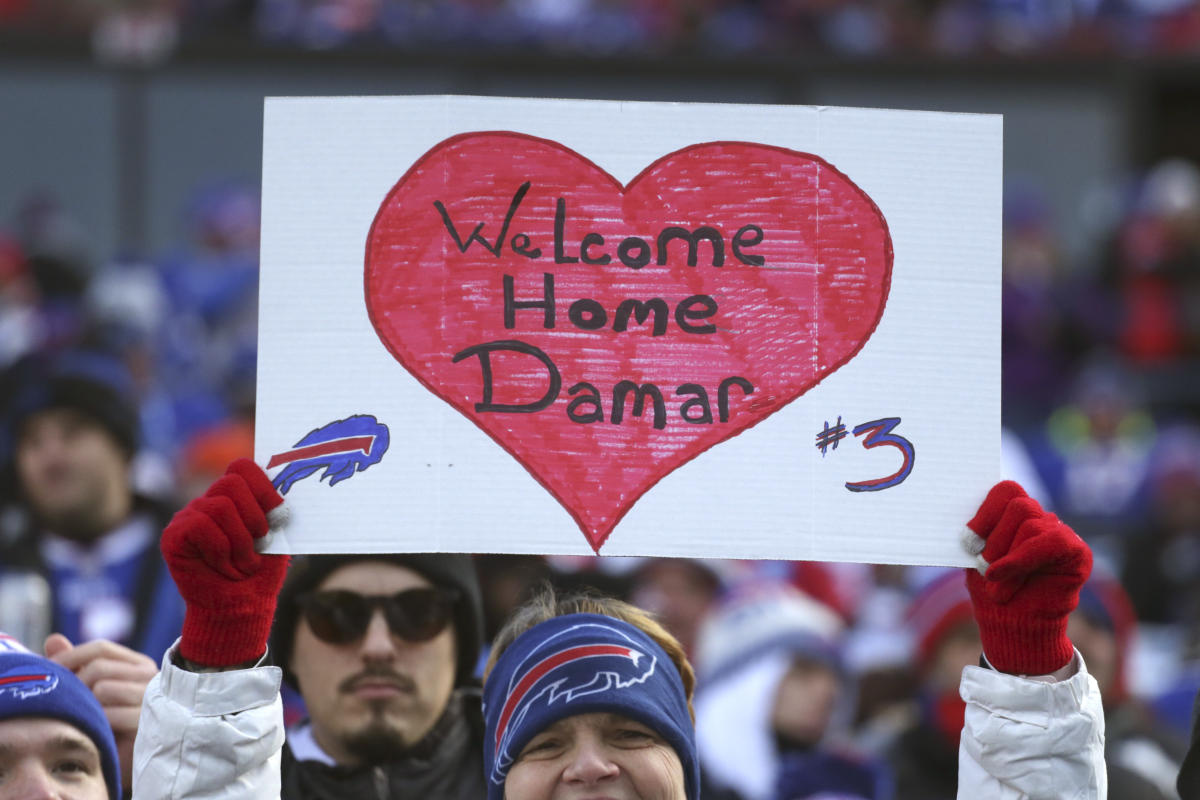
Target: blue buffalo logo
x=341, y=448
x=561, y=675
x=21, y=685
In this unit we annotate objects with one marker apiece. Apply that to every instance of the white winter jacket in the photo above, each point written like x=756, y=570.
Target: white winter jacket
x=209, y=736
x=218, y=736
x=1026, y=738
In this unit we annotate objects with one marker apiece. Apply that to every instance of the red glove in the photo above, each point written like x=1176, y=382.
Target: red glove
x=230, y=588
x=1027, y=582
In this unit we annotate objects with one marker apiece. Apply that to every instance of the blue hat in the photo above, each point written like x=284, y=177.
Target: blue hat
x=32, y=686
x=831, y=776
x=580, y=664
x=93, y=383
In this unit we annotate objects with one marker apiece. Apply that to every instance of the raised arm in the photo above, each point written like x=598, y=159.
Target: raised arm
x=212, y=722
x=1034, y=722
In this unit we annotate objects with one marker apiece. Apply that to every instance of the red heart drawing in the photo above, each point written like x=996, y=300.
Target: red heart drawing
x=530, y=290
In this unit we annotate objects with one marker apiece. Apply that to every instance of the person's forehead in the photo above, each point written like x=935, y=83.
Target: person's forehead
x=41, y=734
x=374, y=577
x=58, y=417
x=594, y=720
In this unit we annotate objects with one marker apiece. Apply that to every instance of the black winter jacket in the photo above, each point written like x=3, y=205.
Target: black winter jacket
x=446, y=765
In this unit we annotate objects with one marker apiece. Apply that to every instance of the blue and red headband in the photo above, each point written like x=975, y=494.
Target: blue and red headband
x=581, y=664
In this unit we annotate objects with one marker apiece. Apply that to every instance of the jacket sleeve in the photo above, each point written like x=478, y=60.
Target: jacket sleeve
x=209, y=736
x=1025, y=738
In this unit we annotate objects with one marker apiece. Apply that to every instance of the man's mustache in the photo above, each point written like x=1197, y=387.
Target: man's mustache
x=379, y=675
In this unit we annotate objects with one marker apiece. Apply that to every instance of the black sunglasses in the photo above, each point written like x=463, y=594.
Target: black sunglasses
x=339, y=616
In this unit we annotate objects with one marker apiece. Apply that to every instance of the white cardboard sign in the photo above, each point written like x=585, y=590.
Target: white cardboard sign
x=566, y=327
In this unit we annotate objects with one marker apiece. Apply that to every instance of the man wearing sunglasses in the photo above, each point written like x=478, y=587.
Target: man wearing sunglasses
x=382, y=649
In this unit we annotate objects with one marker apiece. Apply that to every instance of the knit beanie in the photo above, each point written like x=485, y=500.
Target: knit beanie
x=33, y=686
x=91, y=383
x=449, y=570
x=765, y=617
x=582, y=664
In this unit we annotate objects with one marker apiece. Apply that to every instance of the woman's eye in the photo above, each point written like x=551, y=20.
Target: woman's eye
x=540, y=747
x=634, y=735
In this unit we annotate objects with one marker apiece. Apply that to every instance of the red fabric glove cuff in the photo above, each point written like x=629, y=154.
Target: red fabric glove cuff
x=1018, y=643
x=233, y=637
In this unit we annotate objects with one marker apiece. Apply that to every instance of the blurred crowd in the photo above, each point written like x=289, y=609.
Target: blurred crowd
x=148, y=30
x=804, y=668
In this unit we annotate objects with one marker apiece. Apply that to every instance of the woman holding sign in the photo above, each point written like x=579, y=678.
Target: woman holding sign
x=582, y=698
x=587, y=698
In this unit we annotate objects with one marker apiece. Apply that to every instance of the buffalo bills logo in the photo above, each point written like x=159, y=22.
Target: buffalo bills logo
x=561, y=672
x=341, y=448
x=21, y=685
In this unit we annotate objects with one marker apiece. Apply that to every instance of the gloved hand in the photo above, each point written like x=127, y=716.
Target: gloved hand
x=1031, y=567
x=230, y=589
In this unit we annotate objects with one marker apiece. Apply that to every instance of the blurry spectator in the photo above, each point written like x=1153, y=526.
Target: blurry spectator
x=1095, y=456
x=680, y=592
x=136, y=32
x=208, y=344
x=1142, y=759
x=57, y=258
x=924, y=756
x=608, y=575
x=1174, y=704
x=79, y=525
x=216, y=276
x=771, y=686
x=125, y=313
x=1162, y=566
x=879, y=652
x=838, y=585
x=1017, y=465
x=206, y=455
x=506, y=581
x=19, y=330
x=1033, y=323
x=1156, y=267
x=145, y=32
x=56, y=247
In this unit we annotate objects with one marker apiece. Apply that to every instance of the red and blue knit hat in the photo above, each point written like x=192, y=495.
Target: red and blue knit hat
x=939, y=607
x=33, y=686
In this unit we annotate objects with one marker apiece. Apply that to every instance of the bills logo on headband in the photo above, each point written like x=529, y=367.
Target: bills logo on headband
x=21, y=684
x=563, y=674
x=341, y=448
